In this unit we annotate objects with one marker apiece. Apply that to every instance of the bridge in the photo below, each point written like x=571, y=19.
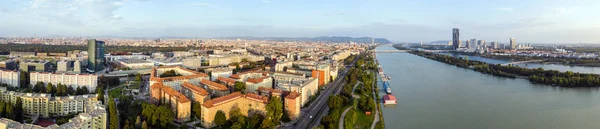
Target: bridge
x=519, y=62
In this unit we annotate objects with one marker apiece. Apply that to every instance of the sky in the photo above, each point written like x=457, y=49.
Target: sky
x=532, y=21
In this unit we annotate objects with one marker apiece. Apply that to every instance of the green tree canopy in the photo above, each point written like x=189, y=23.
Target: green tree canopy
x=239, y=86
x=220, y=118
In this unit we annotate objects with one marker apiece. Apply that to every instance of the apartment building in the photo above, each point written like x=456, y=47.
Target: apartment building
x=45, y=105
x=94, y=117
x=10, y=78
x=89, y=81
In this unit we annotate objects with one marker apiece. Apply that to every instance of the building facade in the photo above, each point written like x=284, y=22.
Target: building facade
x=95, y=55
x=249, y=104
x=513, y=44
x=89, y=81
x=455, y=38
x=94, y=117
x=10, y=78
x=45, y=105
x=34, y=65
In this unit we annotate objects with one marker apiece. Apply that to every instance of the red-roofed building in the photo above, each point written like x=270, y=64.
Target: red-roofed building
x=254, y=83
x=214, y=88
x=292, y=105
x=247, y=103
x=180, y=104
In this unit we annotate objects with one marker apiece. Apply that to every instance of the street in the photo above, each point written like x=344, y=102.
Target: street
x=311, y=115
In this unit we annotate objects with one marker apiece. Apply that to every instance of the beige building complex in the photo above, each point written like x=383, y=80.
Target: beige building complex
x=45, y=105
x=94, y=117
x=10, y=78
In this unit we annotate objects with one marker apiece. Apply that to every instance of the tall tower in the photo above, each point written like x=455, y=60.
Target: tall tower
x=95, y=55
x=513, y=43
x=372, y=41
x=455, y=38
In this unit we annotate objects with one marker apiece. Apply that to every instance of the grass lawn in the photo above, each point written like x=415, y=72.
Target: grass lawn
x=363, y=121
x=116, y=93
x=134, y=85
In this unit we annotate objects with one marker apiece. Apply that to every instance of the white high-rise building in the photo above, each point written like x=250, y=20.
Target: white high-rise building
x=513, y=43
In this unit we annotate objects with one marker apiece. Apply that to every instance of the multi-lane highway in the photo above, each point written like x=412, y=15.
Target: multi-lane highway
x=311, y=115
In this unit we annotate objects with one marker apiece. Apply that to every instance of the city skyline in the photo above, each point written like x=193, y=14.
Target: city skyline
x=554, y=21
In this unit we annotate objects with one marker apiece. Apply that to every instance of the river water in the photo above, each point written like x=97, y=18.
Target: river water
x=434, y=95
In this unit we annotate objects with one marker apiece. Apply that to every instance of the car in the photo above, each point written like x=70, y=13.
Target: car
x=310, y=117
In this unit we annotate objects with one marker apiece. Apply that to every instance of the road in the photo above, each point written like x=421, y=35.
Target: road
x=311, y=116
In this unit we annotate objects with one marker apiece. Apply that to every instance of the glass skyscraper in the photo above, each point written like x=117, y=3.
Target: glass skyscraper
x=95, y=55
x=455, y=38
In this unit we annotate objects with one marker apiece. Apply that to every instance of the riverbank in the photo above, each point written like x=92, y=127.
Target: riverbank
x=538, y=76
x=545, y=60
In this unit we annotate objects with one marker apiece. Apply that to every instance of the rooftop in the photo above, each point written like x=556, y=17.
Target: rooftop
x=233, y=96
x=133, y=61
x=214, y=85
x=195, y=88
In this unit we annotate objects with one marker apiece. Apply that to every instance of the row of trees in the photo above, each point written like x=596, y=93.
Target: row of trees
x=10, y=111
x=158, y=116
x=237, y=121
x=539, y=75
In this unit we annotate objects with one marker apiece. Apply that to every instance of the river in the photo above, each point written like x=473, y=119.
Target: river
x=434, y=95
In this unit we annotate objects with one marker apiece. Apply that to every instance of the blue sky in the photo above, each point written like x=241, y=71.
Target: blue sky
x=537, y=21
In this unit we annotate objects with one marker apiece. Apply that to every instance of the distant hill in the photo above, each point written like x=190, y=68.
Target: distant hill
x=327, y=39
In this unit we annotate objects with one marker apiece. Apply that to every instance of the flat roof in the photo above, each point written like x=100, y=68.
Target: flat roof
x=133, y=61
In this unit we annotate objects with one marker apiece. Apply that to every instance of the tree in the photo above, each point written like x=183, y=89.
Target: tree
x=184, y=126
x=144, y=125
x=220, y=118
x=84, y=90
x=17, y=114
x=114, y=118
x=24, y=79
x=10, y=113
x=236, y=125
x=101, y=96
x=137, y=121
x=138, y=77
x=366, y=104
x=78, y=91
x=127, y=125
x=234, y=113
x=164, y=115
x=335, y=102
x=254, y=121
x=39, y=87
x=239, y=86
x=197, y=109
x=2, y=108
x=70, y=90
x=50, y=89
x=274, y=112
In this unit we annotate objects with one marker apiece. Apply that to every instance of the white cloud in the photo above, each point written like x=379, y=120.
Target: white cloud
x=561, y=11
x=266, y=1
x=506, y=9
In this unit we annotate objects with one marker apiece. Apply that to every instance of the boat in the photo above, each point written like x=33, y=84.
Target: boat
x=389, y=99
x=388, y=90
x=387, y=77
x=386, y=86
